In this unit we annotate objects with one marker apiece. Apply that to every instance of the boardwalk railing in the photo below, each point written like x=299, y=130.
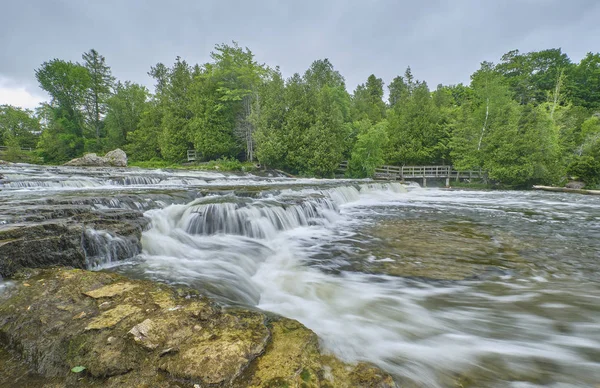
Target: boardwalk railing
x=422, y=172
x=4, y=148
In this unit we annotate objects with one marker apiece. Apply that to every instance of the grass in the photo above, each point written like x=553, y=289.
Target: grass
x=223, y=164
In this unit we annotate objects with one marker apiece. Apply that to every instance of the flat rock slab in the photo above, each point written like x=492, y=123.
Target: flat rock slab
x=111, y=317
x=151, y=335
x=110, y=290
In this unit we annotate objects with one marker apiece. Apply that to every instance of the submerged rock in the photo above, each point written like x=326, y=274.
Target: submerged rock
x=152, y=336
x=115, y=158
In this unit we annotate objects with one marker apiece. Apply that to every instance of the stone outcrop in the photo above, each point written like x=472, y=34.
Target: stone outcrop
x=575, y=185
x=115, y=158
x=100, y=329
x=75, y=239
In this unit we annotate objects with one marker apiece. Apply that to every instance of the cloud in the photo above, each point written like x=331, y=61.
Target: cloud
x=442, y=40
x=13, y=94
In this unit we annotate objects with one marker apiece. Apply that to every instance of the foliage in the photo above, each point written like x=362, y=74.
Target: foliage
x=19, y=126
x=528, y=119
x=367, y=153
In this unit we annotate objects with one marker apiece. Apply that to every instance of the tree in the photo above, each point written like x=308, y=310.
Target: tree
x=18, y=126
x=67, y=83
x=584, y=88
x=269, y=136
x=414, y=127
x=174, y=99
x=533, y=76
x=367, y=101
x=99, y=90
x=489, y=108
x=143, y=142
x=368, y=151
x=124, y=112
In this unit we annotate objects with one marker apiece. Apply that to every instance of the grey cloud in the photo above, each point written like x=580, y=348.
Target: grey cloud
x=442, y=40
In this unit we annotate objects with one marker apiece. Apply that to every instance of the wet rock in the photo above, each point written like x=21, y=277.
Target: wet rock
x=111, y=317
x=110, y=290
x=79, y=240
x=115, y=158
x=148, y=342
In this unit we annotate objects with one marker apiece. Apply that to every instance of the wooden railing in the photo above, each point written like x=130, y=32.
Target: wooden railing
x=25, y=149
x=397, y=172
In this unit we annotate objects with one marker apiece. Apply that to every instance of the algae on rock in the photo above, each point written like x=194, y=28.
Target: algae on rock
x=140, y=333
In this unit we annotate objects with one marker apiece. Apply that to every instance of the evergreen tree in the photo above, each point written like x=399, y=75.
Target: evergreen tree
x=99, y=90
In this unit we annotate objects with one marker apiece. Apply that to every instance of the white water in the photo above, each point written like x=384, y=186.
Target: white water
x=261, y=253
x=311, y=254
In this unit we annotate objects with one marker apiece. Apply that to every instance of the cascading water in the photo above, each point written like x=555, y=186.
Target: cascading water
x=103, y=249
x=440, y=288
x=296, y=254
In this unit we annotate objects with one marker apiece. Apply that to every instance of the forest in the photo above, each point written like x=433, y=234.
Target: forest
x=530, y=118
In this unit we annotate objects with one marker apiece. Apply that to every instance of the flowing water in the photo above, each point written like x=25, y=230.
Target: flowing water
x=438, y=287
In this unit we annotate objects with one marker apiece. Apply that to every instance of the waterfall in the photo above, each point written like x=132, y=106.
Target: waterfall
x=102, y=248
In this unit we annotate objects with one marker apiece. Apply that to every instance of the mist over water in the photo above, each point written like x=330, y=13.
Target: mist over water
x=440, y=288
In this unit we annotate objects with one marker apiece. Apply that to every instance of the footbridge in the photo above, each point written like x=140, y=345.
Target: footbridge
x=422, y=173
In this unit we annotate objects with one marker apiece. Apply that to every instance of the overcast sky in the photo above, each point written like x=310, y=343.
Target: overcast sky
x=442, y=40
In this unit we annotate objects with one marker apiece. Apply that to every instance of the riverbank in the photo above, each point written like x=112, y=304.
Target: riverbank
x=566, y=190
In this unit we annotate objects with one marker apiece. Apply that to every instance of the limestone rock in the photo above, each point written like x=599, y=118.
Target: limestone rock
x=110, y=290
x=575, y=185
x=67, y=240
x=111, y=317
x=115, y=158
x=144, y=341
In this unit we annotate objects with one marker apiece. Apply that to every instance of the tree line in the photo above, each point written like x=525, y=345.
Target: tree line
x=530, y=118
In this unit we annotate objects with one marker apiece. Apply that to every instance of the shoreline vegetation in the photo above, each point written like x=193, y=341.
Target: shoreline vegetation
x=528, y=119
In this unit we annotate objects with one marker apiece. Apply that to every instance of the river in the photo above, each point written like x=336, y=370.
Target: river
x=438, y=287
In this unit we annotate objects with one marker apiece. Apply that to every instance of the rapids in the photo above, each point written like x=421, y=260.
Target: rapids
x=438, y=287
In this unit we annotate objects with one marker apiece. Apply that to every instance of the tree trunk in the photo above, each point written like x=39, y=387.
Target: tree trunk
x=487, y=113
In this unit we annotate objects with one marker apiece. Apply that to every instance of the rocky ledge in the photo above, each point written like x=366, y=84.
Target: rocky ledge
x=70, y=235
x=79, y=328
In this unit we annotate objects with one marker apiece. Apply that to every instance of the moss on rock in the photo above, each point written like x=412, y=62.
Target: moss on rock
x=130, y=333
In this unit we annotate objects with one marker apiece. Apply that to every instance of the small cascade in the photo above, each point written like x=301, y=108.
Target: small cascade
x=135, y=181
x=265, y=217
x=102, y=248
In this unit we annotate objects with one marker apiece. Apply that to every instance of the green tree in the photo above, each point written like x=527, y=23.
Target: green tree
x=20, y=126
x=143, y=143
x=99, y=91
x=489, y=108
x=124, y=112
x=173, y=97
x=368, y=151
x=367, y=101
x=67, y=84
x=414, y=128
x=270, y=136
x=584, y=88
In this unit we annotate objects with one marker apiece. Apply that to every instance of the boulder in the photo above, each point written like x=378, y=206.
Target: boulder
x=115, y=158
x=101, y=329
x=575, y=185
